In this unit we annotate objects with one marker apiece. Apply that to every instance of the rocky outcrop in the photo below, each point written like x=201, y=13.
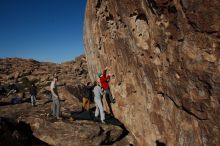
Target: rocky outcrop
x=165, y=64
x=17, y=134
x=18, y=74
x=22, y=124
x=36, y=126
x=15, y=70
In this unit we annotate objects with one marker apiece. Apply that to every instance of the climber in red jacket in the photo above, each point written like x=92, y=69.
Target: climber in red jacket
x=104, y=79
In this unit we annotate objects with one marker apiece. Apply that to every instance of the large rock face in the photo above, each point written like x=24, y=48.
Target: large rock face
x=165, y=64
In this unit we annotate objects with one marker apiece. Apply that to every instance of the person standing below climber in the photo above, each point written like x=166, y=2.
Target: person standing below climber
x=33, y=92
x=88, y=97
x=55, y=98
x=98, y=102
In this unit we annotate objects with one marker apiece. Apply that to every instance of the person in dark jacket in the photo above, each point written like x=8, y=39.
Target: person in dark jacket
x=33, y=92
x=89, y=97
x=2, y=90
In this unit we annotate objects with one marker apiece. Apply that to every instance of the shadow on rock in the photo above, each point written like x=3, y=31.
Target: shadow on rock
x=110, y=120
x=17, y=134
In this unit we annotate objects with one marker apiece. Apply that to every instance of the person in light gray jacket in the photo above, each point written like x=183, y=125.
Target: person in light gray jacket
x=98, y=102
x=55, y=98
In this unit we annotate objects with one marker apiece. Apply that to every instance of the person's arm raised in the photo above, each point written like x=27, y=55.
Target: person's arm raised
x=104, y=72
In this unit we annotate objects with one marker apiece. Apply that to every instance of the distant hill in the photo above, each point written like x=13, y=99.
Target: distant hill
x=22, y=72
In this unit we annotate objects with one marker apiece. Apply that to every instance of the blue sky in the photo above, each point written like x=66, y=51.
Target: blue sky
x=44, y=30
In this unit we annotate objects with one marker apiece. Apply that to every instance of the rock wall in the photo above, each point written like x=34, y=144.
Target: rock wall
x=165, y=64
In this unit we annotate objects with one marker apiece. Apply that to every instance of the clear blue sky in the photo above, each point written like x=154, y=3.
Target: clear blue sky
x=44, y=30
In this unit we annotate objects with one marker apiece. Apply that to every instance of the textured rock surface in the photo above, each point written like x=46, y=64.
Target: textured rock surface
x=15, y=70
x=17, y=134
x=165, y=66
x=20, y=73
x=73, y=76
x=65, y=132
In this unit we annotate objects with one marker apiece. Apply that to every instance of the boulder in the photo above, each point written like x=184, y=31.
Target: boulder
x=165, y=66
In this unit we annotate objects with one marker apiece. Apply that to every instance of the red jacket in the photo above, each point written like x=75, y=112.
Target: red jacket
x=104, y=80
